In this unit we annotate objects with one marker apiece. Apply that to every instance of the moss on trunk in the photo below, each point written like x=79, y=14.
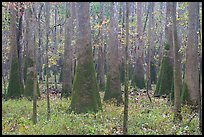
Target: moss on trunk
x=165, y=78
x=122, y=73
x=29, y=83
x=153, y=73
x=112, y=92
x=138, y=74
x=85, y=94
x=15, y=87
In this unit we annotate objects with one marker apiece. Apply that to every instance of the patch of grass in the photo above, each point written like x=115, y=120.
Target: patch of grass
x=143, y=119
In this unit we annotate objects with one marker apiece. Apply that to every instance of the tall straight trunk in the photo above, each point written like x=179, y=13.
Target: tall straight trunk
x=67, y=77
x=138, y=78
x=113, y=88
x=47, y=18
x=19, y=38
x=125, y=122
x=165, y=76
x=35, y=86
x=15, y=86
x=161, y=33
x=192, y=75
x=29, y=59
x=55, y=44
x=177, y=68
x=39, y=66
x=150, y=44
x=101, y=79
x=85, y=96
x=75, y=48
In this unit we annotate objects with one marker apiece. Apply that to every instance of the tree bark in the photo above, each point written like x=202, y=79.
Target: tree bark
x=101, y=79
x=113, y=88
x=165, y=84
x=85, y=95
x=192, y=75
x=47, y=19
x=67, y=77
x=177, y=68
x=15, y=86
x=125, y=122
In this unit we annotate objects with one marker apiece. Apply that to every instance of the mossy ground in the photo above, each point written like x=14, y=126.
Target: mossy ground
x=142, y=120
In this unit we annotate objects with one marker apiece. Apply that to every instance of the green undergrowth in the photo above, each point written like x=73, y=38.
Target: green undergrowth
x=143, y=119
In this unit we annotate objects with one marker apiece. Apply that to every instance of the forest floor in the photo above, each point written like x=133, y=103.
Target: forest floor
x=144, y=118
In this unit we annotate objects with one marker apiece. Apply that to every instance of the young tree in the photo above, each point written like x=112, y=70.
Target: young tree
x=177, y=68
x=125, y=122
x=35, y=86
x=15, y=87
x=47, y=21
x=113, y=89
x=85, y=94
x=67, y=77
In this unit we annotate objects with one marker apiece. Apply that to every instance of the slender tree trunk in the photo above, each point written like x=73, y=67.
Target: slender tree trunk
x=125, y=122
x=177, y=68
x=35, y=74
x=150, y=43
x=161, y=33
x=40, y=45
x=55, y=44
x=47, y=6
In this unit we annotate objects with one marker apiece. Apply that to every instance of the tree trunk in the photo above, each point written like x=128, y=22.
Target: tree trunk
x=165, y=77
x=29, y=60
x=138, y=79
x=113, y=88
x=192, y=75
x=47, y=19
x=15, y=86
x=35, y=84
x=101, y=79
x=85, y=95
x=125, y=122
x=67, y=77
x=177, y=68
x=19, y=45
x=150, y=44
x=39, y=61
